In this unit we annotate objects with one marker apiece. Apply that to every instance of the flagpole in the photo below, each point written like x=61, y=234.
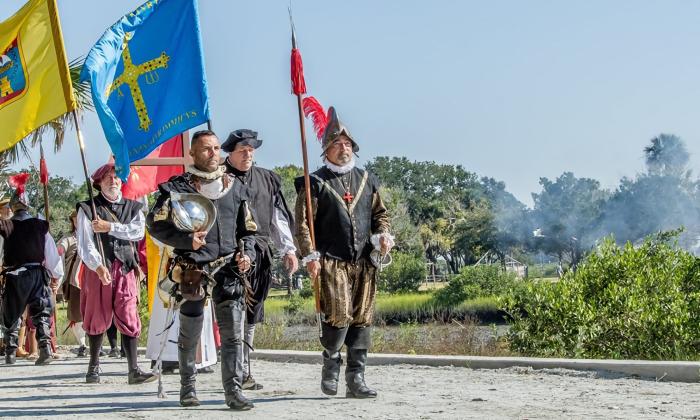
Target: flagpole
x=81, y=146
x=298, y=91
x=42, y=165
x=46, y=185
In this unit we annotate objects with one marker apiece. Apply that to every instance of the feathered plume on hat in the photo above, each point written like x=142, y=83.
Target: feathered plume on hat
x=314, y=110
x=19, y=182
x=327, y=125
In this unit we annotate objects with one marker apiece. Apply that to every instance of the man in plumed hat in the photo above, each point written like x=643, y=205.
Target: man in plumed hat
x=110, y=289
x=32, y=268
x=262, y=189
x=351, y=225
x=210, y=260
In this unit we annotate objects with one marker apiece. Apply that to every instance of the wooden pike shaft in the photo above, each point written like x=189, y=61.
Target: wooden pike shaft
x=81, y=146
x=307, y=189
x=46, y=186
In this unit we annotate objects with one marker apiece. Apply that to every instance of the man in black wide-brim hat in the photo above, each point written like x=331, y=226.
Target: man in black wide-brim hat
x=263, y=191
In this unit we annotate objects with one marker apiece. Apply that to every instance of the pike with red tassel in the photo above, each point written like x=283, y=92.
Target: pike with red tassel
x=298, y=89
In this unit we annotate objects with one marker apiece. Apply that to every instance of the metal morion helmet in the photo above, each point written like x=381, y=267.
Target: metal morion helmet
x=335, y=129
x=192, y=212
x=327, y=125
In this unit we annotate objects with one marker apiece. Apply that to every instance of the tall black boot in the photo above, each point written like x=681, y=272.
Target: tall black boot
x=230, y=315
x=43, y=336
x=136, y=375
x=11, y=339
x=355, y=375
x=190, y=331
x=330, y=373
x=332, y=339
x=93, y=374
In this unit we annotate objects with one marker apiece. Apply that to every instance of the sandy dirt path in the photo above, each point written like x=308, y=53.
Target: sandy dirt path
x=292, y=391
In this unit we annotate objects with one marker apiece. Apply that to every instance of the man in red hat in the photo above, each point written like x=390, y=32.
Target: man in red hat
x=110, y=286
x=32, y=268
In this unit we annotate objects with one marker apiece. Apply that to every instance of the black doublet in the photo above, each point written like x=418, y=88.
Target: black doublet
x=24, y=240
x=263, y=190
x=125, y=211
x=221, y=240
x=342, y=229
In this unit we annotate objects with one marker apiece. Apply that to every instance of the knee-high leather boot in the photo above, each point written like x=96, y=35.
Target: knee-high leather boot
x=357, y=341
x=12, y=342
x=332, y=339
x=230, y=315
x=190, y=331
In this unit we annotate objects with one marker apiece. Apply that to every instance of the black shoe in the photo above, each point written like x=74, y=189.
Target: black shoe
x=114, y=352
x=206, y=369
x=188, y=397
x=10, y=357
x=102, y=353
x=93, y=375
x=249, y=383
x=237, y=401
x=81, y=351
x=45, y=356
x=122, y=353
x=138, y=376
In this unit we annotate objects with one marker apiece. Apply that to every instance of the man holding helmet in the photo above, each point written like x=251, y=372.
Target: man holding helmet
x=211, y=229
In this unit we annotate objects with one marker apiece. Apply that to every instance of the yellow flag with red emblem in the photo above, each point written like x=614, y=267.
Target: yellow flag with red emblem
x=35, y=84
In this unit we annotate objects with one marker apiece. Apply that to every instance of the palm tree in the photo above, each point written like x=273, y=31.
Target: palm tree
x=59, y=125
x=667, y=155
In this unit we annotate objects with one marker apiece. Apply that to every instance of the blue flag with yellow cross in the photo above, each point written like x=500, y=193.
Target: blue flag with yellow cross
x=148, y=79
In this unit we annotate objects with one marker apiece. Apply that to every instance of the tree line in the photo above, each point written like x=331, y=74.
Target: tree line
x=449, y=216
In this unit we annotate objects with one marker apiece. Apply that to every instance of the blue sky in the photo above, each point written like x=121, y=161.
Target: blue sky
x=514, y=90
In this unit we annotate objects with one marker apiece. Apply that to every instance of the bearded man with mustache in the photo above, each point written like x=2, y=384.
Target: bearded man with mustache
x=109, y=289
x=350, y=222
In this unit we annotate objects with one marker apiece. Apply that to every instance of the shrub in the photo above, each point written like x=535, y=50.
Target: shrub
x=623, y=302
x=473, y=282
x=295, y=303
x=405, y=274
x=306, y=290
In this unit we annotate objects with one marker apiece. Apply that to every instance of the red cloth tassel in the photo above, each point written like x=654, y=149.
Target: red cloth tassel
x=298, y=82
x=43, y=172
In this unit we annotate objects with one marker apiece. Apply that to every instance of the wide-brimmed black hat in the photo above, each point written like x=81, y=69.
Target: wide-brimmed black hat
x=242, y=136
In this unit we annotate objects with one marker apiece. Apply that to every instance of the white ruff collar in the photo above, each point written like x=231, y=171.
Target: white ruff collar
x=339, y=169
x=218, y=173
x=116, y=200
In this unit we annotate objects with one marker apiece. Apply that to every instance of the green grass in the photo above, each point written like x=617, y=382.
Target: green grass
x=395, y=308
